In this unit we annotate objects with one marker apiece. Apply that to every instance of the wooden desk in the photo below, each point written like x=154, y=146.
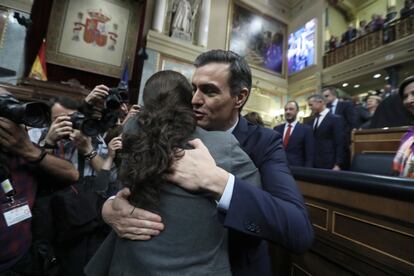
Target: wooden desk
x=377, y=140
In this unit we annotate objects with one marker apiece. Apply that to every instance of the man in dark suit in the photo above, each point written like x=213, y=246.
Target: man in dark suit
x=327, y=132
x=297, y=138
x=347, y=112
x=222, y=83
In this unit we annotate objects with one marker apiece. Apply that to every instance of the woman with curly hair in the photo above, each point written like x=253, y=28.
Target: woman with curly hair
x=194, y=241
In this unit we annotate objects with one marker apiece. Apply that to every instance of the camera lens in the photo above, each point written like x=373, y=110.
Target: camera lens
x=36, y=114
x=90, y=127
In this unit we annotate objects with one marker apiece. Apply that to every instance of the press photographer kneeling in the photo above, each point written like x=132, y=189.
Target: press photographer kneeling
x=20, y=160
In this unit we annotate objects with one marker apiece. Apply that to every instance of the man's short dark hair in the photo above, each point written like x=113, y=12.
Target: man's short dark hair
x=331, y=90
x=404, y=84
x=240, y=74
x=66, y=102
x=296, y=104
x=317, y=97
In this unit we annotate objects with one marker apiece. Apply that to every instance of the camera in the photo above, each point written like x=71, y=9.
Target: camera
x=116, y=96
x=89, y=127
x=30, y=114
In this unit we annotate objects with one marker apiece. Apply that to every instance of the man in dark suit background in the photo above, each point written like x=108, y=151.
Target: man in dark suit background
x=276, y=213
x=327, y=132
x=346, y=111
x=297, y=138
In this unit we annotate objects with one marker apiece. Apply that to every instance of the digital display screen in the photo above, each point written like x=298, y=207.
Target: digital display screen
x=301, y=47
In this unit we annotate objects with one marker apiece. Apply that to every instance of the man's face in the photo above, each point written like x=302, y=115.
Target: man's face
x=58, y=110
x=290, y=112
x=214, y=107
x=329, y=97
x=408, y=97
x=315, y=105
x=372, y=103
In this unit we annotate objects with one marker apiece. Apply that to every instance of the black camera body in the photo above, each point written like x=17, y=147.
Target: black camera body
x=116, y=96
x=89, y=127
x=31, y=114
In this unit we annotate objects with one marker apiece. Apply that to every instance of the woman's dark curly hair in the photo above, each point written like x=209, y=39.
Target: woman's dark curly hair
x=152, y=140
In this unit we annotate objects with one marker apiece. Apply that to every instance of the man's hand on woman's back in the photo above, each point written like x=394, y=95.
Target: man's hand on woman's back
x=128, y=221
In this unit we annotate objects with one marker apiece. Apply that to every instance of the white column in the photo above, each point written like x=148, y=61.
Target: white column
x=392, y=3
x=204, y=21
x=159, y=15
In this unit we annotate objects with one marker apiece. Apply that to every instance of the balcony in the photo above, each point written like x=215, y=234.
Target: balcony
x=397, y=30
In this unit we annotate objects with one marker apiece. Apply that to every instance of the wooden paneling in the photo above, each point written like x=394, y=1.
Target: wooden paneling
x=377, y=140
x=383, y=239
x=365, y=234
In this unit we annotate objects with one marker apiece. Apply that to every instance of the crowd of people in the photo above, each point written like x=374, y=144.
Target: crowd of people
x=378, y=22
x=324, y=139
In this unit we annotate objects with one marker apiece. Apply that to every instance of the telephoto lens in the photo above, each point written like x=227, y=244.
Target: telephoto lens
x=31, y=114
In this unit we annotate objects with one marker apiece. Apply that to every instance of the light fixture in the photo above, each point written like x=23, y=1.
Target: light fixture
x=357, y=86
x=345, y=84
x=376, y=76
x=387, y=78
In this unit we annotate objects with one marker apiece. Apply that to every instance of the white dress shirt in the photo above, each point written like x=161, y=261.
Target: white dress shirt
x=334, y=105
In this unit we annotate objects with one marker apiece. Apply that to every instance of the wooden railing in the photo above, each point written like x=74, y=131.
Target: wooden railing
x=394, y=31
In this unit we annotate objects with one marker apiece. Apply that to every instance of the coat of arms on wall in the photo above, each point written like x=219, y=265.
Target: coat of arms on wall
x=98, y=29
x=93, y=35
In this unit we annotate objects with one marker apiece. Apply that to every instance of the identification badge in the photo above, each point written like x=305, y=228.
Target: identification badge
x=16, y=211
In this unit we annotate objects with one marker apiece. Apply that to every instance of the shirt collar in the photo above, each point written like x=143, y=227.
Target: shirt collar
x=324, y=112
x=334, y=103
x=293, y=124
x=230, y=130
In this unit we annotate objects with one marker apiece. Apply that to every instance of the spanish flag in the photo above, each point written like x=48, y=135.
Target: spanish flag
x=39, y=66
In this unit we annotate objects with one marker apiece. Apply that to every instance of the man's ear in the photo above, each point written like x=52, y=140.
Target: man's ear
x=242, y=97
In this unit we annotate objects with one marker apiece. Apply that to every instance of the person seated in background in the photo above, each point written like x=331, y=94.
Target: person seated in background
x=349, y=35
x=328, y=135
x=297, y=138
x=372, y=103
x=362, y=28
x=254, y=118
x=403, y=162
x=376, y=23
x=387, y=91
x=333, y=43
x=20, y=161
x=194, y=242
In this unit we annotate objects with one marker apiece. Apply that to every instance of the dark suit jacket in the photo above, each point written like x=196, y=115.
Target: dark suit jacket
x=299, y=150
x=275, y=213
x=329, y=143
x=347, y=111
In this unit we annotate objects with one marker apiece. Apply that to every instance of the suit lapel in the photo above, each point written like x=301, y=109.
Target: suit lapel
x=324, y=121
x=241, y=131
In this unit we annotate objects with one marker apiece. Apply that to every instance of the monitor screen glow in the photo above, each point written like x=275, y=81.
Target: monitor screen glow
x=301, y=47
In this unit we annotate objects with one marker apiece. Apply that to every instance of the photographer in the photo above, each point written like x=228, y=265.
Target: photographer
x=66, y=137
x=20, y=159
x=71, y=144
